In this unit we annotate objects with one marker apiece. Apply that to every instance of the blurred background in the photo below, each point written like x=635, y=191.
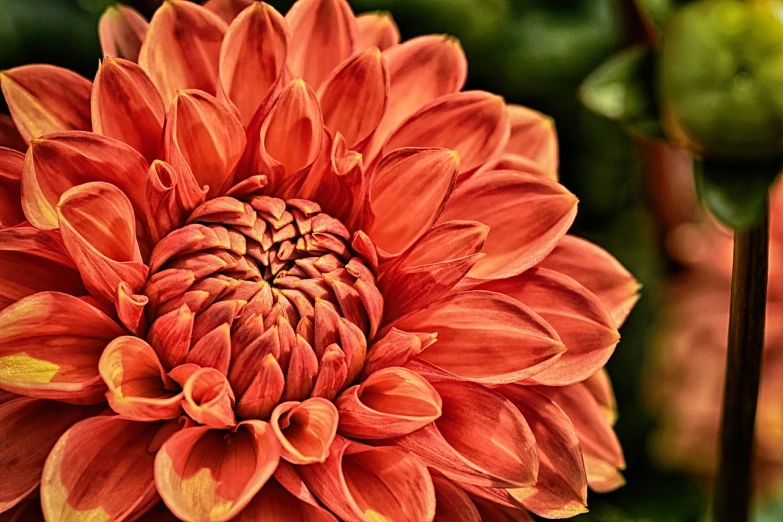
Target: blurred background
x=634, y=195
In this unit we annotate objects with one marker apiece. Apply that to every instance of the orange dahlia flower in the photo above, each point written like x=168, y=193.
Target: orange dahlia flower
x=282, y=268
x=687, y=367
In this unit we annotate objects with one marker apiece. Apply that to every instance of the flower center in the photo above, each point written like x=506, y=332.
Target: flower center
x=263, y=289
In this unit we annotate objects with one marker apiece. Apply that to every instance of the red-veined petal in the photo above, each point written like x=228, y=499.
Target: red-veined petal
x=486, y=337
x=533, y=136
x=211, y=475
x=9, y=134
x=50, y=344
x=274, y=503
x=376, y=30
x=323, y=33
x=122, y=30
x=45, y=99
x=182, y=48
x=11, y=166
x=228, y=9
x=305, y=430
x=408, y=191
x=452, y=503
x=527, y=216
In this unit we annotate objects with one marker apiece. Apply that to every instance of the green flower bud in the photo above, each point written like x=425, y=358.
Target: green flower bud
x=722, y=78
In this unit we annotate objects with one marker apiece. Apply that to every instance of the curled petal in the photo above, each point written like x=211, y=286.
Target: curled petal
x=274, y=503
x=408, y=191
x=291, y=135
x=598, y=271
x=102, y=468
x=122, y=30
x=252, y=57
x=360, y=483
x=561, y=490
x=479, y=335
x=126, y=106
x=98, y=228
x=390, y=403
x=203, y=139
x=452, y=503
x=137, y=381
x=50, y=344
x=305, y=430
x=208, y=398
x=323, y=33
x=376, y=30
x=11, y=166
x=533, y=136
x=461, y=445
x=432, y=267
x=211, y=475
x=472, y=123
x=32, y=261
x=64, y=160
x=228, y=9
x=182, y=48
x=527, y=216
x=577, y=315
x=354, y=96
x=421, y=70
x=45, y=99
x=29, y=429
x=166, y=208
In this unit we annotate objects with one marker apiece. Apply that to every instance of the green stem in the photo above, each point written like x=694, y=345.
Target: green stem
x=733, y=487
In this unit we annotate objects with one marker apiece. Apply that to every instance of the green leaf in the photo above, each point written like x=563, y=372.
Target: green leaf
x=622, y=89
x=736, y=192
x=654, y=12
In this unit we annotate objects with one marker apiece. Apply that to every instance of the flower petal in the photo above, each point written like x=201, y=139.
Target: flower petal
x=98, y=228
x=44, y=99
x=561, y=490
x=600, y=447
x=577, y=315
x=323, y=33
x=486, y=337
x=11, y=166
x=33, y=261
x=599, y=272
x=64, y=160
x=432, y=267
x=420, y=70
x=228, y=9
x=292, y=133
x=203, y=138
x=274, y=503
x=473, y=123
x=354, y=96
x=252, y=57
x=390, y=403
x=452, y=503
x=211, y=475
x=182, y=48
x=102, y=469
x=29, y=428
x=122, y=30
x=459, y=444
x=126, y=106
x=137, y=381
x=527, y=216
x=376, y=30
x=50, y=344
x=395, y=348
x=491, y=511
x=408, y=191
x=533, y=136
x=208, y=398
x=305, y=430
x=360, y=483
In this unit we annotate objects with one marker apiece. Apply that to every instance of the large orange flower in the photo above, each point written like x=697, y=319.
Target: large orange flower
x=284, y=269
x=686, y=377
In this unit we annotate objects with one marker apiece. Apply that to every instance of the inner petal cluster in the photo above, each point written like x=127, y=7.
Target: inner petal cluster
x=270, y=293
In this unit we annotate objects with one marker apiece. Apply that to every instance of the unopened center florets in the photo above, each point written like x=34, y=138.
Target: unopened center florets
x=264, y=277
